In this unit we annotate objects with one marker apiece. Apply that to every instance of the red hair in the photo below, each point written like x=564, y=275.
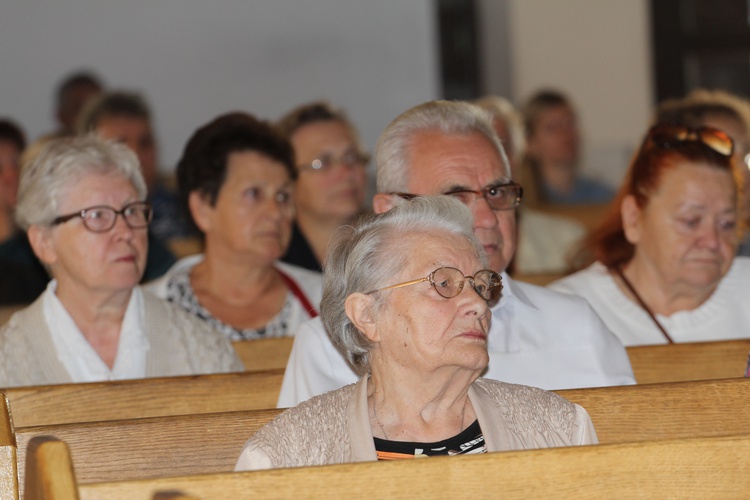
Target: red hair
x=607, y=243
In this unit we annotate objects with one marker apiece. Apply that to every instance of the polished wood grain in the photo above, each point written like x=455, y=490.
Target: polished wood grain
x=124, y=399
x=695, y=468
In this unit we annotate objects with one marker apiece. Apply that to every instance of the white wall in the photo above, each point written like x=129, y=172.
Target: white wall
x=598, y=52
x=194, y=59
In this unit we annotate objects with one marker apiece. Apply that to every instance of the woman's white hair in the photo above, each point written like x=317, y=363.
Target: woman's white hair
x=367, y=256
x=449, y=117
x=63, y=162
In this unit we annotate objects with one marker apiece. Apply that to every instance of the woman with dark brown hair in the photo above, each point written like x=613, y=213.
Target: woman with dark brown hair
x=664, y=267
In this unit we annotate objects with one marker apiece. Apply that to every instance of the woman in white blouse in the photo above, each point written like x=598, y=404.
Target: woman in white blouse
x=82, y=204
x=665, y=267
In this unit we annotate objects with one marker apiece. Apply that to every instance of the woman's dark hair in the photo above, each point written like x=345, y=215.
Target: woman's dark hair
x=11, y=132
x=313, y=112
x=608, y=244
x=203, y=166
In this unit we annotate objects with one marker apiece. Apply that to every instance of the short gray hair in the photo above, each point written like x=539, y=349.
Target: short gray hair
x=368, y=255
x=63, y=162
x=449, y=117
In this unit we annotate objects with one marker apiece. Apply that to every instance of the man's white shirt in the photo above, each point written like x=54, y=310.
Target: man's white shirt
x=537, y=337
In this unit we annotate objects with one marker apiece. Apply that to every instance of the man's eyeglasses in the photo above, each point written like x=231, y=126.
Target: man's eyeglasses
x=667, y=136
x=449, y=282
x=498, y=196
x=101, y=219
x=327, y=161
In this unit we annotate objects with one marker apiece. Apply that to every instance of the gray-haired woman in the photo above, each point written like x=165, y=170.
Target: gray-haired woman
x=82, y=204
x=406, y=298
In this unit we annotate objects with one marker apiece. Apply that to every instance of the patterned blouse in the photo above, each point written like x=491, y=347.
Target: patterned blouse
x=180, y=291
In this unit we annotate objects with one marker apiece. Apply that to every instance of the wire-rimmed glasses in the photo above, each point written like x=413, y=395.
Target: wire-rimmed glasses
x=449, y=282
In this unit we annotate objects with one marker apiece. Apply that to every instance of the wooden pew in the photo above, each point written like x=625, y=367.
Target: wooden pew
x=125, y=399
x=264, y=354
x=666, y=411
x=8, y=471
x=696, y=468
x=689, y=361
x=49, y=471
x=152, y=447
x=191, y=444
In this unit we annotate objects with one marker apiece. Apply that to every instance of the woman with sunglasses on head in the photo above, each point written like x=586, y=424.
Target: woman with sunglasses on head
x=81, y=202
x=665, y=269
x=407, y=298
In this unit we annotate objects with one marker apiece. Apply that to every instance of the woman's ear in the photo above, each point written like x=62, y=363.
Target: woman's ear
x=200, y=210
x=359, y=310
x=40, y=239
x=382, y=202
x=631, y=219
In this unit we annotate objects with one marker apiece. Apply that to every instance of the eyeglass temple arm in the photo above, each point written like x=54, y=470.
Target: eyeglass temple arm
x=399, y=285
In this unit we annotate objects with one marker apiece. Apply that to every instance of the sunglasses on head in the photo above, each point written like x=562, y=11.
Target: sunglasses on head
x=667, y=136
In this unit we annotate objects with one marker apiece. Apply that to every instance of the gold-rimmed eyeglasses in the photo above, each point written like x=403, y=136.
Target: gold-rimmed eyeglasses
x=448, y=282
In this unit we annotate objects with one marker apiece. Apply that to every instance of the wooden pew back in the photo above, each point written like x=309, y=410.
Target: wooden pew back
x=264, y=354
x=191, y=444
x=125, y=399
x=666, y=411
x=690, y=361
x=696, y=468
x=8, y=471
x=152, y=447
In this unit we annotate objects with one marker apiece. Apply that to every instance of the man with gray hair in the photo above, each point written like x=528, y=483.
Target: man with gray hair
x=538, y=337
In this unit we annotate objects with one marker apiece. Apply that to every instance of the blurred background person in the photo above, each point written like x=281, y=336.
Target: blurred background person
x=83, y=205
x=545, y=240
x=331, y=180
x=22, y=277
x=71, y=96
x=724, y=111
x=20, y=282
x=126, y=117
x=416, y=333
x=664, y=265
x=12, y=145
x=237, y=177
x=550, y=170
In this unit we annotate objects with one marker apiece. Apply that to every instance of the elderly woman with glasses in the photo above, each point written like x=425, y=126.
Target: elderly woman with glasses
x=665, y=269
x=406, y=298
x=81, y=202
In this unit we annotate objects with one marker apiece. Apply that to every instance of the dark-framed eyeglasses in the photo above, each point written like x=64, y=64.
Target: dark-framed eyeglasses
x=449, y=282
x=327, y=161
x=667, y=136
x=504, y=196
x=101, y=218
